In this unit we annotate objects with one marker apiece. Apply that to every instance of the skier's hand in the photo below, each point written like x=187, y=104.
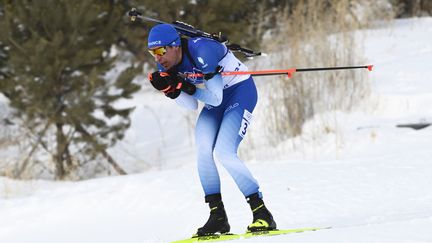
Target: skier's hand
x=166, y=83
x=170, y=84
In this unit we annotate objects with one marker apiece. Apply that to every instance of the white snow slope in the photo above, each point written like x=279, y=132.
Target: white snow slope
x=369, y=180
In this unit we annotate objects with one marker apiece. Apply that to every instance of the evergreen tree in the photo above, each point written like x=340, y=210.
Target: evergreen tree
x=59, y=59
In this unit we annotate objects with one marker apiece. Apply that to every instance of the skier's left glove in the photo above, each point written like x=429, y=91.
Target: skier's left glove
x=170, y=84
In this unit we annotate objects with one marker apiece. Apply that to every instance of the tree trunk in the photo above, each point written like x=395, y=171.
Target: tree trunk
x=59, y=157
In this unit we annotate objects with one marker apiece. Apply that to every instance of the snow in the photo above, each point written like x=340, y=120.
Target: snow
x=366, y=178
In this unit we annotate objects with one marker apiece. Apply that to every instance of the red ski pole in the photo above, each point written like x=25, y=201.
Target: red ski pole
x=288, y=72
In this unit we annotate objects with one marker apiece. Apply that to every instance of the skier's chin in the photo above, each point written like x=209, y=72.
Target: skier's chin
x=166, y=65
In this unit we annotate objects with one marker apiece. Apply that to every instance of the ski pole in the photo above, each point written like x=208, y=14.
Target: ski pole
x=288, y=72
x=369, y=67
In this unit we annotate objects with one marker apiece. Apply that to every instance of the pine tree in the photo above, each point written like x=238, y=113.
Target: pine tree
x=59, y=59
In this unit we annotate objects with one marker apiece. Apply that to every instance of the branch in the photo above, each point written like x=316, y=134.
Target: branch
x=105, y=154
x=27, y=159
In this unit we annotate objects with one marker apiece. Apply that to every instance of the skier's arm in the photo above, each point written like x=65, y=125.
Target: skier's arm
x=212, y=93
x=207, y=55
x=187, y=101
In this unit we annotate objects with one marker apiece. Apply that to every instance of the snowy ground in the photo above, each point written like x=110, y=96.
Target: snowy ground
x=368, y=179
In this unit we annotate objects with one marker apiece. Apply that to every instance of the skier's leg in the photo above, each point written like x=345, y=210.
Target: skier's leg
x=234, y=125
x=206, y=130
x=205, y=136
x=236, y=119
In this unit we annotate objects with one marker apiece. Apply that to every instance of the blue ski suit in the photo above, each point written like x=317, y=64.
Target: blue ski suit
x=226, y=116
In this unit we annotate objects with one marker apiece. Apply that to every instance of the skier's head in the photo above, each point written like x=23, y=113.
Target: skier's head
x=163, y=35
x=164, y=45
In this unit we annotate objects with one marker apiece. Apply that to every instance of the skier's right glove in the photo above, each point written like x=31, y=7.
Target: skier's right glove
x=171, y=84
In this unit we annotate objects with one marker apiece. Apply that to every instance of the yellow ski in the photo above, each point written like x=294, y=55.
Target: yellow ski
x=225, y=237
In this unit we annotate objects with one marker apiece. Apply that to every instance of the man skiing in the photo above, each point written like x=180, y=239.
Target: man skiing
x=189, y=71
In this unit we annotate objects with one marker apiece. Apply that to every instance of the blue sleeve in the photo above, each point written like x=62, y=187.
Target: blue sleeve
x=207, y=54
x=213, y=92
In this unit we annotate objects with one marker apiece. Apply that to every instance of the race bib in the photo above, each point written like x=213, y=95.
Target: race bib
x=247, y=118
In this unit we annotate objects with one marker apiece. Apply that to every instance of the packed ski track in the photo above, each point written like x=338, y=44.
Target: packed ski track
x=369, y=180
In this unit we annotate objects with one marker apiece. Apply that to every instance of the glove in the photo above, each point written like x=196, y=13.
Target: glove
x=171, y=84
x=166, y=83
x=218, y=70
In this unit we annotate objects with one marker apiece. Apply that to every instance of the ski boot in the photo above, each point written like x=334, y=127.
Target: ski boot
x=262, y=218
x=218, y=220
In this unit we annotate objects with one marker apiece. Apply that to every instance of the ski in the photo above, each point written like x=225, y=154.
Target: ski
x=229, y=236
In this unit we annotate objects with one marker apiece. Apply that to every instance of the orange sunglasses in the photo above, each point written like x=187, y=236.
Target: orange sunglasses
x=160, y=51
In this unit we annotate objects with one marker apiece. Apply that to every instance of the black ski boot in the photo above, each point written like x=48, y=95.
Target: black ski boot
x=218, y=220
x=262, y=218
